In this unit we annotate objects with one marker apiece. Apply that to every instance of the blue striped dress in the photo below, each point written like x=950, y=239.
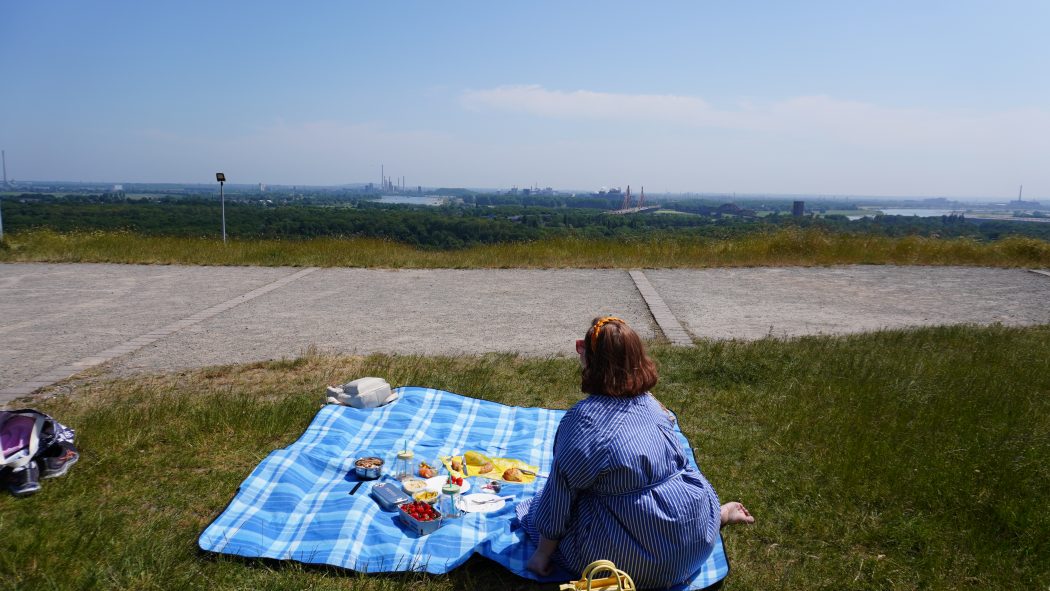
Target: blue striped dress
x=621, y=489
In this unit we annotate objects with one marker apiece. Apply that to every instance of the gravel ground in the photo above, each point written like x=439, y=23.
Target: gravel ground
x=795, y=301
x=410, y=311
x=52, y=315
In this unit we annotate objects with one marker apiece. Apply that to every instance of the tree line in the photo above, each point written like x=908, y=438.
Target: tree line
x=451, y=227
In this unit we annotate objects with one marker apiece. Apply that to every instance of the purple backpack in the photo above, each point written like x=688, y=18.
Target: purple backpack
x=25, y=433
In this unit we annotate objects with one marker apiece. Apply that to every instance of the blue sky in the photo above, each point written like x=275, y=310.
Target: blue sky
x=836, y=98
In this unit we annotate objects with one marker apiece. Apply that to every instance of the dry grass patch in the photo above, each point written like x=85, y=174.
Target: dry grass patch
x=783, y=247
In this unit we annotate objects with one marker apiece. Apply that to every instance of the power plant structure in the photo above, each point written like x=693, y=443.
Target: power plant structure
x=386, y=184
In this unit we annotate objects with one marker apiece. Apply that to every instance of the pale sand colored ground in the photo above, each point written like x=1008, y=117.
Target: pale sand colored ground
x=57, y=314
x=794, y=301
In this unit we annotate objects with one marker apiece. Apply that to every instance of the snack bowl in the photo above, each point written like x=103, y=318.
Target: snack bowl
x=413, y=485
x=368, y=467
x=420, y=526
x=426, y=496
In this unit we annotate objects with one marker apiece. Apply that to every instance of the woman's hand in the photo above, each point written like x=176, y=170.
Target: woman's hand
x=539, y=563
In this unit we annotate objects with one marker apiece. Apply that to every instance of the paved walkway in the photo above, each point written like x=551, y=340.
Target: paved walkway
x=57, y=320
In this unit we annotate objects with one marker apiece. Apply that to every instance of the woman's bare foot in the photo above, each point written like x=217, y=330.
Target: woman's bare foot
x=735, y=513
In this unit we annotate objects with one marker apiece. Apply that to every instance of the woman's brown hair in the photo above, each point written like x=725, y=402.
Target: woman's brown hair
x=615, y=360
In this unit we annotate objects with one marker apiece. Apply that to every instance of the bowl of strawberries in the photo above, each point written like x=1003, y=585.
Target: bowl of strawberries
x=420, y=517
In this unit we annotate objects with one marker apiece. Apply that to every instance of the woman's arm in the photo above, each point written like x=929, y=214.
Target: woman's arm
x=578, y=458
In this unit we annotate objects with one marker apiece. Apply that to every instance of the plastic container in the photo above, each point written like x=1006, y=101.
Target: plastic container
x=372, y=472
x=449, y=501
x=389, y=496
x=403, y=466
x=421, y=527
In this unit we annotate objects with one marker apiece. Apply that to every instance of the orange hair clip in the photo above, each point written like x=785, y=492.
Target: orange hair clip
x=598, y=328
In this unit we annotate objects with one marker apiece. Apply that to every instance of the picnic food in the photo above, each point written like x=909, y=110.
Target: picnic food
x=474, y=463
x=420, y=517
x=413, y=485
x=426, y=496
x=457, y=480
x=426, y=470
x=512, y=475
x=368, y=468
x=478, y=462
x=473, y=458
x=420, y=511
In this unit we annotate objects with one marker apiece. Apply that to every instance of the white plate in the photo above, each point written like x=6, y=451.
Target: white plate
x=476, y=503
x=434, y=484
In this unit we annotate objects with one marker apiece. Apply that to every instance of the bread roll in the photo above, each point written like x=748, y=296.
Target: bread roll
x=473, y=458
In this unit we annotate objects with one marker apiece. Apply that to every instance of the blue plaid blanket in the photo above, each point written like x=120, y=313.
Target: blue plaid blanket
x=296, y=504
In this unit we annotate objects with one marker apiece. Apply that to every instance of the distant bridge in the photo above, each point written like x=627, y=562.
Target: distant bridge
x=626, y=207
x=632, y=210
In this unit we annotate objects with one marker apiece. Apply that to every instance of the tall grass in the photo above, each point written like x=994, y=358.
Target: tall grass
x=908, y=460
x=788, y=246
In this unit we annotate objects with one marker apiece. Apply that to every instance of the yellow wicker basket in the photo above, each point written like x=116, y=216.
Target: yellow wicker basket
x=601, y=575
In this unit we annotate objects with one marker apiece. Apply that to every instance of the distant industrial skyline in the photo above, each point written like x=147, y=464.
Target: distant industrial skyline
x=810, y=98
x=109, y=184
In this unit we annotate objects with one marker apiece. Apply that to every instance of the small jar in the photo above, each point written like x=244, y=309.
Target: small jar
x=449, y=501
x=403, y=465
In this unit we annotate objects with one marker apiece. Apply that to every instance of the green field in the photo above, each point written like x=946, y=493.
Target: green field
x=913, y=459
x=783, y=247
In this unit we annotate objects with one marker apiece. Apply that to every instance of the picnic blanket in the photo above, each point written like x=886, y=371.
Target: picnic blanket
x=296, y=505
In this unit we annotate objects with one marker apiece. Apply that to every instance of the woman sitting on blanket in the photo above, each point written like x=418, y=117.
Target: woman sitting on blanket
x=621, y=487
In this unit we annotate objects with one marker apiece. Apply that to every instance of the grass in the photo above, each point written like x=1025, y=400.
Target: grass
x=912, y=459
x=789, y=246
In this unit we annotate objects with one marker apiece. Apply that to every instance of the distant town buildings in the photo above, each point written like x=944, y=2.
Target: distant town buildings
x=798, y=208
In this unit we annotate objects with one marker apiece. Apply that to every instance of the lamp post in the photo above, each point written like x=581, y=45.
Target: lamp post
x=222, y=179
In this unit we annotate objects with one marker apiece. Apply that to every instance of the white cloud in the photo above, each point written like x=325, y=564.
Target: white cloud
x=587, y=104
x=818, y=116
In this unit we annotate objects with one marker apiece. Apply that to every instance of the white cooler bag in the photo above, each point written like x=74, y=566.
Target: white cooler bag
x=362, y=393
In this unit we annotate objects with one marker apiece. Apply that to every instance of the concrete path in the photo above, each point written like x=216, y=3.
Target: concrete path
x=56, y=320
